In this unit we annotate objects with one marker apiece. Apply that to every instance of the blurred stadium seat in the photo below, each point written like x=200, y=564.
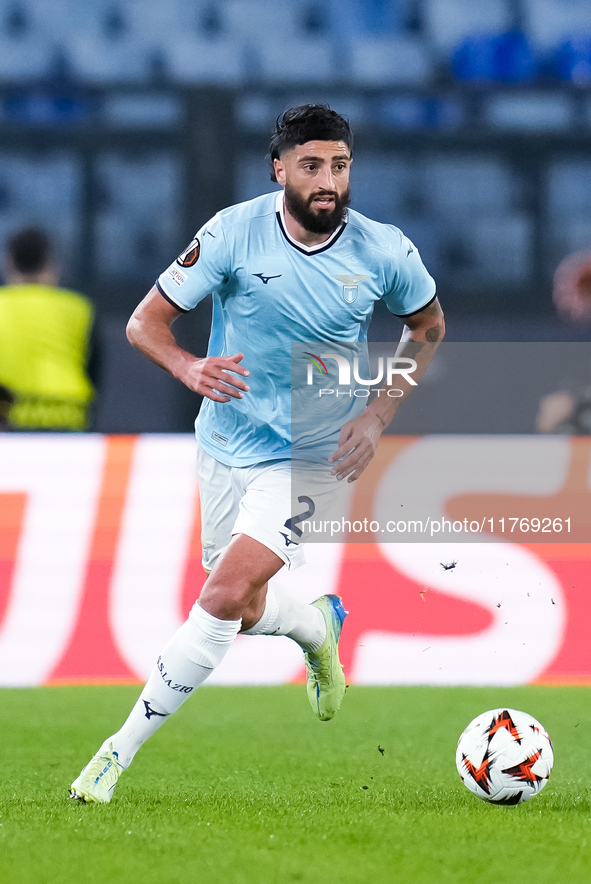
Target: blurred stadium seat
x=100, y=59
x=568, y=207
x=449, y=22
x=287, y=51
x=567, y=234
x=373, y=43
x=254, y=19
x=135, y=237
x=503, y=58
x=569, y=188
x=533, y=112
x=25, y=58
x=550, y=22
x=27, y=43
x=35, y=18
x=253, y=177
x=499, y=248
x=97, y=40
x=194, y=59
x=347, y=18
x=474, y=59
x=150, y=20
x=42, y=189
x=384, y=197
x=463, y=211
x=476, y=202
x=385, y=61
x=514, y=58
x=403, y=112
x=304, y=60
x=572, y=60
x=470, y=185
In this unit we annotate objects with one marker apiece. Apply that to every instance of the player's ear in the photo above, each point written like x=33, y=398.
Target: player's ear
x=279, y=171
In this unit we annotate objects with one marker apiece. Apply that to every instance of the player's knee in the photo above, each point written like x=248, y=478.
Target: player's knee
x=231, y=599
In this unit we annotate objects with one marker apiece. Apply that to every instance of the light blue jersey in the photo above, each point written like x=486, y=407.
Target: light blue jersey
x=270, y=291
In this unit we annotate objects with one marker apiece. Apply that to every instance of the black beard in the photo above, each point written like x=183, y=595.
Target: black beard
x=322, y=221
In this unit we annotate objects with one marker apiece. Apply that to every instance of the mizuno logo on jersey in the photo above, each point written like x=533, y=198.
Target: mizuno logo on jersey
x=265, y=279
x=350, y=287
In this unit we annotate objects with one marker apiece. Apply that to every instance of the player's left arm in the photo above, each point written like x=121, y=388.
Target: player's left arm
x=423, y=332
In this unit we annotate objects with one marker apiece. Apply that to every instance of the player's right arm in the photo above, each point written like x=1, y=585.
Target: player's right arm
x=149, y=330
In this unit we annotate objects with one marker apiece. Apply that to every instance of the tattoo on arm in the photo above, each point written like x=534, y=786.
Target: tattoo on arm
x=432, y=334
x=410, y=348
x=381, y=420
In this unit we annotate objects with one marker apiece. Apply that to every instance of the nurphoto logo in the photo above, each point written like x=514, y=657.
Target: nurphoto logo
x=387, y=368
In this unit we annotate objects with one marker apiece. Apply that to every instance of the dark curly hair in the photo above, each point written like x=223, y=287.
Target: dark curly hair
x=308, y=122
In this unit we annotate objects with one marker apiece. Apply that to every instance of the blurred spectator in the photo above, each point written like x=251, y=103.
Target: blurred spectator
x=568, y=411
x=45, y=335
x=572, y=288
x=565, y=412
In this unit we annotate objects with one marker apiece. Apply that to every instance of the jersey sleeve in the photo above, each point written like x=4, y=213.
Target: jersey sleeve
x=410, y=286
x=203, y=267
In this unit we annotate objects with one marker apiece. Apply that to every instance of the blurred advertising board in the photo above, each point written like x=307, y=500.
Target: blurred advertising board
x=100, y=562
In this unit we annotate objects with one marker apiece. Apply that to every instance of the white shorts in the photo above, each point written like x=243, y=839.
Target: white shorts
x=256, y=501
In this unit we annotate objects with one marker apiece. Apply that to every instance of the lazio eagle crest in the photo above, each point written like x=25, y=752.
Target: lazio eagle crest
x=350, y=287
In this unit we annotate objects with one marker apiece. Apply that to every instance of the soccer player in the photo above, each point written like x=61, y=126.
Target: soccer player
x=286, y=267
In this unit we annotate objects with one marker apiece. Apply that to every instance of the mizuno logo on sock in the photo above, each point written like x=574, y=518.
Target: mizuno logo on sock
x=150, y=712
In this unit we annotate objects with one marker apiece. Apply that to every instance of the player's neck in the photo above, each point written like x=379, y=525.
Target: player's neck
x=300, y=234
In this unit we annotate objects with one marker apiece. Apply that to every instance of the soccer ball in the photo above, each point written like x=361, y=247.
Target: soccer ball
x=504, y=757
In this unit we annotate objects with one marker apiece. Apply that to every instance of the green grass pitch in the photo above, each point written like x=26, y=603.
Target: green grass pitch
x=244, y=785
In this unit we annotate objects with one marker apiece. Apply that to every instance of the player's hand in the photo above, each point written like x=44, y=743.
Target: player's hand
x=218, y=378
x=358, y=441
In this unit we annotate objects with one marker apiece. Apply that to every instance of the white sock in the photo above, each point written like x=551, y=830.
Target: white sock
x=286, y=615
x=187, y=660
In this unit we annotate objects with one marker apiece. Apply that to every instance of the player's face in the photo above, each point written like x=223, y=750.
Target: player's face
x=315, y=176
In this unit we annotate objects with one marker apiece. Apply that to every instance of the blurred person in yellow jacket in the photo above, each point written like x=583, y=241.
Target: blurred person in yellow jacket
x=6, y=400
x=45, y=339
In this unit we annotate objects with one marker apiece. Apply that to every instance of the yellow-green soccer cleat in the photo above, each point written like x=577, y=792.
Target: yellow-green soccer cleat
x=98, y=779
x=326, y=679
